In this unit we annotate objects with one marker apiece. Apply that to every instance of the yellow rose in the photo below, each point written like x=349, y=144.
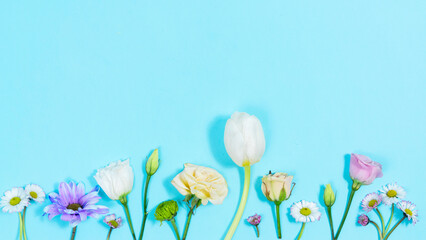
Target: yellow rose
x=205, y=183
x=277, y=187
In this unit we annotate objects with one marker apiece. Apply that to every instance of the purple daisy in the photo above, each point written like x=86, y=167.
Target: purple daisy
x=73, y=204
x=363, y=220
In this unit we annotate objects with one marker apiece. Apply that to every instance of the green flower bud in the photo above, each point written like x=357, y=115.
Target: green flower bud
x=166, y=211
x=152, y=163
x=329, y=197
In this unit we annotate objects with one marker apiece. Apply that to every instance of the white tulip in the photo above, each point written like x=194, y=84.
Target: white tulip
x=116, y=179
x=244, y=139
x=205, y=183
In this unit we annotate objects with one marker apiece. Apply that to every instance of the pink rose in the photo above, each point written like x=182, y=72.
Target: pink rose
x=363, y=169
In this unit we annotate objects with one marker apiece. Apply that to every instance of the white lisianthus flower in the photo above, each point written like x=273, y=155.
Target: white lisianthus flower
x=116, y=180
x=205, y=183
x=244, y=139
x=277, y=187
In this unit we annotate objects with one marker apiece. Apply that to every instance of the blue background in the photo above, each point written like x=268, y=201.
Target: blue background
x=84, y=83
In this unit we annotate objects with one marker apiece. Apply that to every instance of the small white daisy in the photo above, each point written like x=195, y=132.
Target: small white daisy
x=304, y=211
x=14, y=200
x=392, y=193
x=408, y=209
x=35, y=192
x=371, y=201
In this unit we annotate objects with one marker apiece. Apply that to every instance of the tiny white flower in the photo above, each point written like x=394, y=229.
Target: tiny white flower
x=304, y=211
x=371, y=201
x=408, y=209
x=392, y=193
x=35, y=192
x=14, y=200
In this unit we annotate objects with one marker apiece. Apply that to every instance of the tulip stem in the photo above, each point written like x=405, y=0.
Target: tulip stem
x=355, y=186
x=173, y=222
x=145, y=206
x=330, y=221
x=74, y=230
x=242, y=205
x=382, y=221
x=123, y=201
x=378, y=229
x=20, y=226
x=301, y=231
x=109, y=233
x=390, y=219
x=188, y=221
x=396, y=225
x=277, y=208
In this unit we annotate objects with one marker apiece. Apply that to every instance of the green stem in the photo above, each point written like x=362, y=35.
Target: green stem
x=23, y=223
x=74, y=230
x=145, y=207
x=257, y=231
x=109, y=233
x=173, y=222
x=20, y=226
x=330, y=221
x=242, y=205
x=378, y=229
x=188, y=221
x=393, y=228
x=277, y=208
x=301, y=231
x=123, y=202
x=355, y=187
x=383, y=222
x=390, y=219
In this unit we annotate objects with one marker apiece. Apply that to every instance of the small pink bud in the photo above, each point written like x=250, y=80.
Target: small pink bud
x=363, y=220
x=254, y=220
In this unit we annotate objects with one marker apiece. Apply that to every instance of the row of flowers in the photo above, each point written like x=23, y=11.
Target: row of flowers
x=245, y=143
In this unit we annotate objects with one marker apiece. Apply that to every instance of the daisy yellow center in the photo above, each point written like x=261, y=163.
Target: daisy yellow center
x=113, y=223
x=391, y=193
x=74, y=206
x=408, y=212
x=33, y=195
x=305, y=211
x=15, y=201
x=372, y=203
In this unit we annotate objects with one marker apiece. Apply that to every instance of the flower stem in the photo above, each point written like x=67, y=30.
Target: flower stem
x=277, y=208
x=355, y=187
x=188, y=220
x=23, y=223
x=242, y=205
x=378, y=229
x=393, y=228
x=383, y=222
x=145, y=207
x=123, y=201
x=109, y=233
x=257, y=231
x=330, y=221
x=173, y=222
x=74, y=230
x=390, y=219
x=301, y=231
x=20, y=226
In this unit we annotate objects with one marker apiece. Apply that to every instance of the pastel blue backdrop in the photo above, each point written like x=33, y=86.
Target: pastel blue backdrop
x=85, y=83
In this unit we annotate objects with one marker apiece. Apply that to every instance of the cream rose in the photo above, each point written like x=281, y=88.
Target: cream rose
x=277, y=187
x=205, y=183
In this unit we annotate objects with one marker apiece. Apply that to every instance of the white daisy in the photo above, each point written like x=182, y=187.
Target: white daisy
x=305, y=211
x=14, y=200
x=392, y=193
x=35, y=192
x=408, y=209
x=371, y=201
